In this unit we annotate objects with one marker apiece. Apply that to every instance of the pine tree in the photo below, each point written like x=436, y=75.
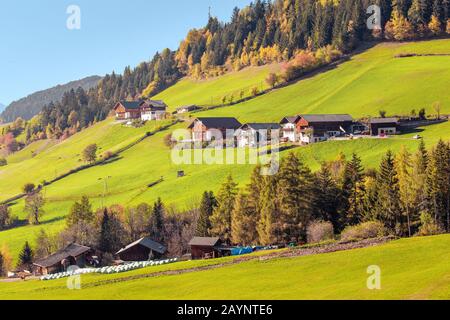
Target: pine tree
x=25, y=256
x=243, y=230
x=269, y=225
x=111, y=233
x=327, y=197
x=157, y=221
x=407, y=193
x=438, y=184
x=351, y=187
x=388, y=207
x=207, y=206
x=294, y=195
x=221, y=218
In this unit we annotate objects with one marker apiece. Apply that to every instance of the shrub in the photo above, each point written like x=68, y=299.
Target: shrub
x=3, y=162
x=169, y=141
x=428, y=227
x=366, y=230
x=28, y=188
x=319, y=231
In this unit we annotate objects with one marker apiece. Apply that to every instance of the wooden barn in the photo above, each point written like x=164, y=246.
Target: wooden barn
x=320, y=127
x=383, y=126
x=202, y=128
x=144, y=249
x=205, y=247
x=72, y=255
x=128, y=110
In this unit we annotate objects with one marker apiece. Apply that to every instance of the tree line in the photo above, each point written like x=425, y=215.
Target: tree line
x=409, y=194
x=263, y=32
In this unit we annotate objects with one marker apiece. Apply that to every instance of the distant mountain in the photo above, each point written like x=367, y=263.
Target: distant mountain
x=30, y=106
x=2, y=107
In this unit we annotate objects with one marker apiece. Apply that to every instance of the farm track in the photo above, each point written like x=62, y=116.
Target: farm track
x=290, y=253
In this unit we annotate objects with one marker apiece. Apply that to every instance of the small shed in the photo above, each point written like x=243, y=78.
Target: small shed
x=205, y=247
x=143, y=249
x=186, y=109
x=72, y=255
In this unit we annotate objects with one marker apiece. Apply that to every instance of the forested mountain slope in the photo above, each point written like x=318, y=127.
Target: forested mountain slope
x=31, y=105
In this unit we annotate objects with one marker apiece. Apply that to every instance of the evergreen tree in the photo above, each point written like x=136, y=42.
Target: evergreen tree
x=157, y=221
x=388, y=207
x=221, y=218
x=26, y=256
x=243, y=229
x=269, y=225
x=438, y=184
x=207, y=206
x=403, y=167
x=294, y=195
x=351, y=187
x=111, y=233
x=327, y=197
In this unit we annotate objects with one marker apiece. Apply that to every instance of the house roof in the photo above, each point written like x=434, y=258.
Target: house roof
x=261, y=126
x=383, y=120
x=205, y=241
x=155, y=103
x=130, y=105
x=327, y=117
x=226, y=123
x=292, y=119
x=148, y=243
x=72, y=250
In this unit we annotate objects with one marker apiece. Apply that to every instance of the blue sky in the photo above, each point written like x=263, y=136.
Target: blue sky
x=37, y=51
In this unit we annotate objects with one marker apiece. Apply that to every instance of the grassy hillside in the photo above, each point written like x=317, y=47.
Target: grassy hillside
x=339, y=275
x=210, y=92
x=335, y=91
x=60, y=158
x=370, y=82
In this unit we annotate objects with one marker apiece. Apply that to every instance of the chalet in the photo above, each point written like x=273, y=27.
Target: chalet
x=128, y=110
x=202, y=127
x=288, y=128
x=152, y=110
x=320, y=127
x=72, y=255
x=252, y=134
x=143, y=249
x=186, y=109
x=205, y=247
x=383, y=126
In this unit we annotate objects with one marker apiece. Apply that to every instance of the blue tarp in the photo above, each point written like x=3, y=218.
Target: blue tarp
x=241, y=250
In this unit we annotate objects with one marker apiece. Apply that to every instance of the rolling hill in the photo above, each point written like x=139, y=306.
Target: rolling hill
x=209, y=92
x=31, y=105
x=330, y=276
x=420, y=81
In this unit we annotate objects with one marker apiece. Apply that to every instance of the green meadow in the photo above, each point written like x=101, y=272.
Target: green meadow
x=209, y=92
x=369, y=82
x=415, y=268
